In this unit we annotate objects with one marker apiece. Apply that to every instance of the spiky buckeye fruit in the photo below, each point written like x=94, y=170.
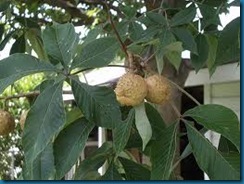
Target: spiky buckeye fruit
x=158, y=89
x=131, y=89
x=6, y=122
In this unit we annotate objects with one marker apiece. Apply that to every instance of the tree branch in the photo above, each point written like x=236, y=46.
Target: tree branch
x=29, y=94
x=71, y=9
x=123, y=46
x=101, y=2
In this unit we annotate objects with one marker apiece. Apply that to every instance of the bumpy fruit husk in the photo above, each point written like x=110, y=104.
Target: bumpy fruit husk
x=158, y=89
x=131, y=90
x=6, y=123
x=23, y=119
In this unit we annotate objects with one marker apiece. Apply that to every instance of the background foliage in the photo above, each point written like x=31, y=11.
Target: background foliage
x=53, y=137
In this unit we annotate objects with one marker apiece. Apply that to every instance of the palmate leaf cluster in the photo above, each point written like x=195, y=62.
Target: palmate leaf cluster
x=52, y=142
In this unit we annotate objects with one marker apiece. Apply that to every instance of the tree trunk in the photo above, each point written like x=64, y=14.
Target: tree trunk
x=166, y=110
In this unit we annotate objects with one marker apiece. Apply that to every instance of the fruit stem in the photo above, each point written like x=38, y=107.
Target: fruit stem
x=183, y=91
x=176, y=110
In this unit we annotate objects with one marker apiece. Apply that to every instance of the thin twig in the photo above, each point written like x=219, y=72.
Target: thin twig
x=84, y=75
x=123, y=46
x=176, y=110
x=183, y=91
x=29, y=94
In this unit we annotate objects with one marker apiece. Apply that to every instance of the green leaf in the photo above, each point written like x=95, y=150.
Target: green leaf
x=60, y=41
x=147, y=35
x=111, y=173
x=45, y=119
x=135, y=140
x=27, y=22
x=122, y=131
x=97, y=53
x=69, y=145
x=209, y=159
x=18, y=46
x=233, y=158
x=6, y=39
x=163, y=152
x=225, y=146
x=175, y=59
x=228, y=46
x=92, y=35
x=184, y=16
x=122, y=28
x=198, y=61
x=98, y=104
x=209, y=16
x=166, y=37
x=156, y=121
x=129, y=11
x=235, y=3
x=36, y=44
x=185, y=36
x=219, y=119
x=215, y=3
x=157, y=18
x=72, y=115
x=133, y=170
x=142, y=124
x=1, y=30
x=212, y=43
x=17, y=66
x=4, y=4
x=187, y=151
x=136, y=31
x=93, y=162
x=173, y=54
x=42, y=168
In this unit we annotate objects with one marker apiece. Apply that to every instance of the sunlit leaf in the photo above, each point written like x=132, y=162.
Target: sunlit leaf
x=142, y=124
x=19, y=65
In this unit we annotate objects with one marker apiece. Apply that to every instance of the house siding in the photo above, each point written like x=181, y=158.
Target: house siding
x=227, y=94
